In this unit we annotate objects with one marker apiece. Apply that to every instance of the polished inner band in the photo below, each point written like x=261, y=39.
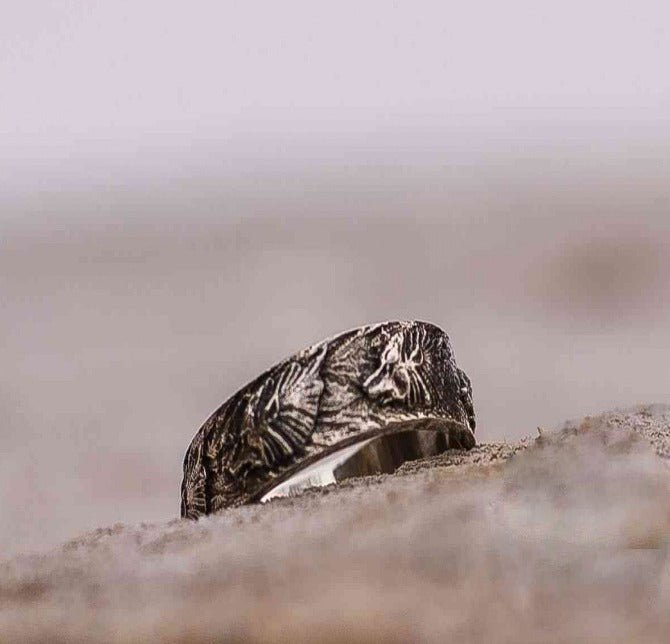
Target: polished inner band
x=380, y=454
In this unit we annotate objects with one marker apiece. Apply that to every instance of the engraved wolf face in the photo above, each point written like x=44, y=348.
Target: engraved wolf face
x=399, y=376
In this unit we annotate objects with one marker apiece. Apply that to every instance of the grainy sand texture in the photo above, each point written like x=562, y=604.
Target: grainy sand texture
x=562, y=537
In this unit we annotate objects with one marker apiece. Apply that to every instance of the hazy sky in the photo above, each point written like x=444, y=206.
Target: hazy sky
x=145, y=89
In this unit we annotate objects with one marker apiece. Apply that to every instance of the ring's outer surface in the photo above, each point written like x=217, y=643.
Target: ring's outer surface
x=356, y=385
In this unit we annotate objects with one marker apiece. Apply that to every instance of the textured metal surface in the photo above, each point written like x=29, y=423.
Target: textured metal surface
x=337, y=392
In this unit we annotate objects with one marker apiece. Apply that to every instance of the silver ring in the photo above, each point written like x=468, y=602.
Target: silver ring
x=358, y=403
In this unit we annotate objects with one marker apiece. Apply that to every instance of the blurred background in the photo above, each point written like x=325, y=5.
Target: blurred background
x=191, y=192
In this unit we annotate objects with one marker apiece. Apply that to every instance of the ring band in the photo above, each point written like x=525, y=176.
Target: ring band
x=354, y=389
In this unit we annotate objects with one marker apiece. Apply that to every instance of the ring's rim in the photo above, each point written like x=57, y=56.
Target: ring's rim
x=257, y=461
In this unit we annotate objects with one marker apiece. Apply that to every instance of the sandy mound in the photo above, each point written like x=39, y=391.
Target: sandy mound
x=560, y=538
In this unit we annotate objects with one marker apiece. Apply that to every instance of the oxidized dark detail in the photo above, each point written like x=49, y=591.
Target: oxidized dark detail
x=358, y=382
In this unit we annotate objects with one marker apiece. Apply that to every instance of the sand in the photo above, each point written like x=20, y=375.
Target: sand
x=560, y=537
